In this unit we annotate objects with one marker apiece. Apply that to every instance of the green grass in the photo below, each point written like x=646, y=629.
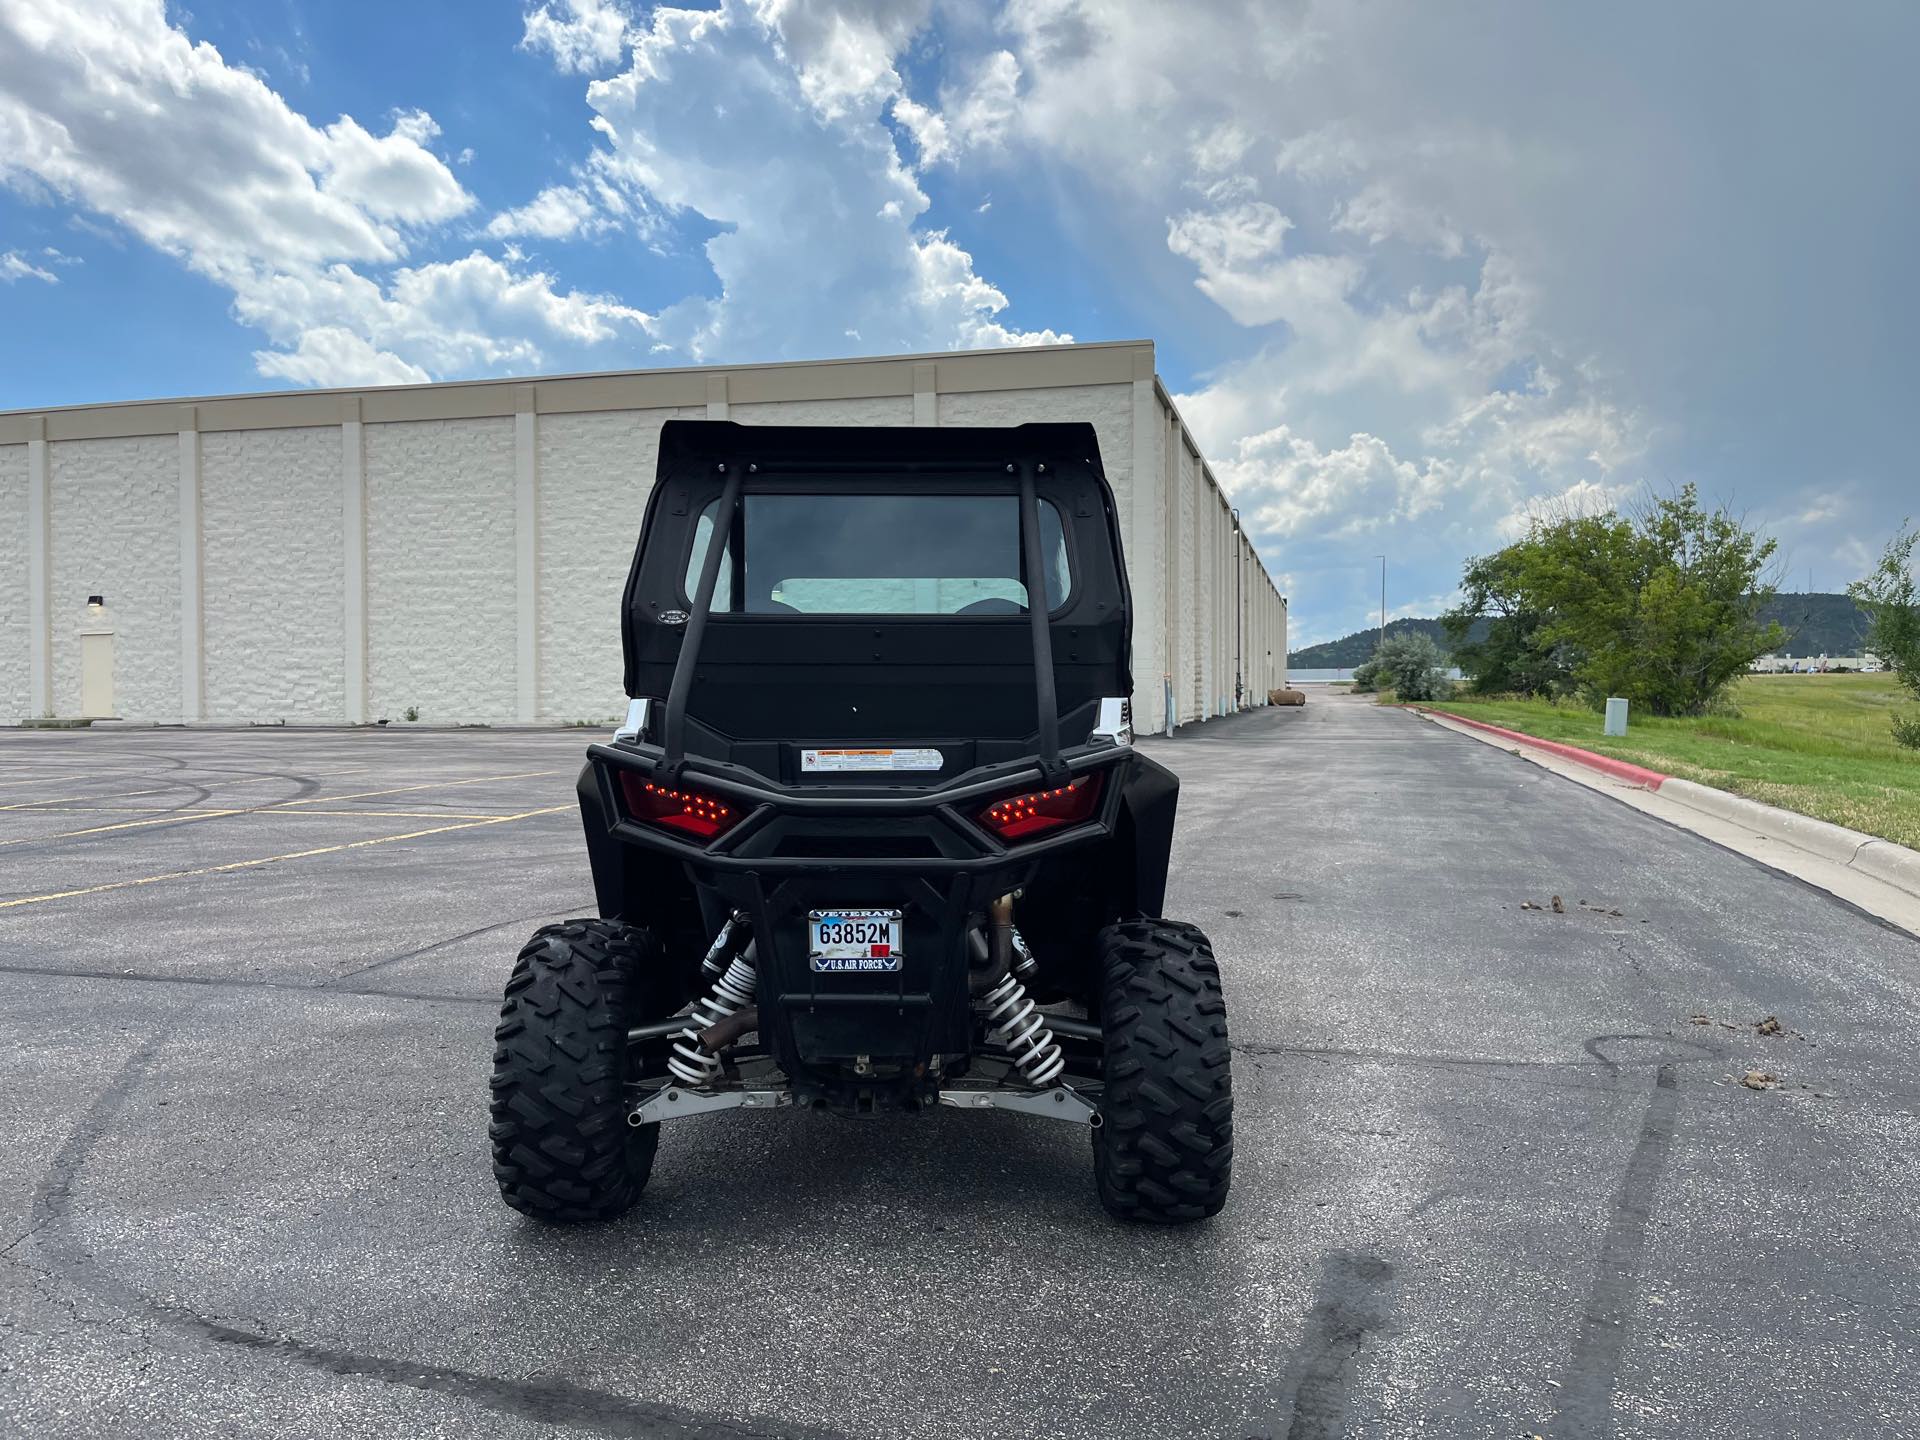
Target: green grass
x=1818, y=744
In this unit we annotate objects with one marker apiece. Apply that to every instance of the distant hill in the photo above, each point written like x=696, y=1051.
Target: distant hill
x=1815, y=624
x=1357, y=648
x=1819, y=624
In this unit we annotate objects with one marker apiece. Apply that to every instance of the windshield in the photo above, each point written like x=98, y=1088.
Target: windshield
x=811, y=554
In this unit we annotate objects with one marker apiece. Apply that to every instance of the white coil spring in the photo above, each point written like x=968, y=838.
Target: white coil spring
x=1015, y=1022
x=691, y=1061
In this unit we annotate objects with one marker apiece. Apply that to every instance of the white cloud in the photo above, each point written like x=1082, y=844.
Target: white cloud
x=931, y=135
x=1221, y=149
x=982, y=110
x=108, y=106
x=1327, y=152
x=333, y=355
x=394, y=177
x=1238, y=254
x=1378, y=213
x=1582, y=497
x=555, y=213
x=843, y=51
x=15, y=266
x=766, y=118
x=583, y=36
x=977, y=114
x=1401, y=386
x=1287, y=488
x=954, y=300
x=472, y=315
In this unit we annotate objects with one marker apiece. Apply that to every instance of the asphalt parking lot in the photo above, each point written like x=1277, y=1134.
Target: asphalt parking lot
x=1492, y=1178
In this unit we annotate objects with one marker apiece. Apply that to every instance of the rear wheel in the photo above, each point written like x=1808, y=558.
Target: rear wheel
x=562, y=1148
x=1163, y=1152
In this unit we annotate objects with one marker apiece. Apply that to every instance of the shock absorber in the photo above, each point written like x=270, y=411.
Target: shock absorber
x=710, y=963
x=1015, y=1021
x=691, y=1062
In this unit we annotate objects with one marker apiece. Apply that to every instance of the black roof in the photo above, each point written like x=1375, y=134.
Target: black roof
x=693, y=442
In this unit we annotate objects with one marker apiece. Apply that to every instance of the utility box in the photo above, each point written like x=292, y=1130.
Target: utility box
x=1616, y=715
x=96, y=664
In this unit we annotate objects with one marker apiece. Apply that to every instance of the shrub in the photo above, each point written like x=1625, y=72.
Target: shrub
x=1412, y=663
x=1366, y=677
x=1891, y=598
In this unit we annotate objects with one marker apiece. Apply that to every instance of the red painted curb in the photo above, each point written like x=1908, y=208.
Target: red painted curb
x=1606, y=764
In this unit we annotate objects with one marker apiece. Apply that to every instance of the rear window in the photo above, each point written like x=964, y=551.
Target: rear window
x=880, y=555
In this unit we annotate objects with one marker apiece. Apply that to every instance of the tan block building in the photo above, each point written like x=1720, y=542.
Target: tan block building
x=458, y=550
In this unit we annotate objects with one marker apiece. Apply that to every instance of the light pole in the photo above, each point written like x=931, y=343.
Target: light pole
x=1383, y=599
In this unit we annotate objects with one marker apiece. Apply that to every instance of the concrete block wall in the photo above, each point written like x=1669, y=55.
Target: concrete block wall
x=115, y=525
x=1225, y=622
x=442, y=617
x=16, y=621
x=595, y=473
x=460, y=550
x=274, y=575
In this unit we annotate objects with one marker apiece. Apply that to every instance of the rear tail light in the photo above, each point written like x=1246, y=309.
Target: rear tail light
x=688, y=811
x=1021, y=817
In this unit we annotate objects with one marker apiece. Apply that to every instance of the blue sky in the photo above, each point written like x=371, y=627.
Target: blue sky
x=1416, y=272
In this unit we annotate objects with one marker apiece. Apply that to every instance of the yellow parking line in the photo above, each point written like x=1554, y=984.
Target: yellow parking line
x=392, y=814
x=274, y=859
x=178, y=818
x=430, y=785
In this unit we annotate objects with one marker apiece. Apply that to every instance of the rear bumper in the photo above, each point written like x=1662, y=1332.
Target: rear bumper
x=791, y=831
x=853, y=1040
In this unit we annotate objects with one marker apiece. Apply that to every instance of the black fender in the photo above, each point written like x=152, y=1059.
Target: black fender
x=1148, y=801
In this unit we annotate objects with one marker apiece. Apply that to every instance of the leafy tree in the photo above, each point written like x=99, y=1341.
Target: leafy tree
x=1697, y=619
x=1662, y=607
x=1413, y=664
x=1891, y=598
x=1494, y=632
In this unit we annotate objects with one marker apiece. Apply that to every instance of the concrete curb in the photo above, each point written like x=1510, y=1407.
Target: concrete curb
x=1890, y=864
x=1620, y=769
x=1869, y=855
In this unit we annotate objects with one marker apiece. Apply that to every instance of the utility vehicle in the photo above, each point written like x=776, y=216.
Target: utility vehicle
x=874, y=835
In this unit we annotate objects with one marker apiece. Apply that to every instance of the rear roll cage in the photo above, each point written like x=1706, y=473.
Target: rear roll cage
x=674, y=724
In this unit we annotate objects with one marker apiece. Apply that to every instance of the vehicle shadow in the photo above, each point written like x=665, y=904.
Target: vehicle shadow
x=780, y=1177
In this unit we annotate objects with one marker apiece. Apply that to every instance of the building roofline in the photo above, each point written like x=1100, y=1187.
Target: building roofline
x=647, y=373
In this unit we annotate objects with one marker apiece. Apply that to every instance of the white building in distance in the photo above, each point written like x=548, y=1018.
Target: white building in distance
x=458, y=550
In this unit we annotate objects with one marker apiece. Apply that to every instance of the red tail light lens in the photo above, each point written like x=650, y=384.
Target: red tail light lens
x=1021, y=817
x=689, y=811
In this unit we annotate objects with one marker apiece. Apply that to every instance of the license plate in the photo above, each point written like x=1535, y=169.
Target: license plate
x=857, y=941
